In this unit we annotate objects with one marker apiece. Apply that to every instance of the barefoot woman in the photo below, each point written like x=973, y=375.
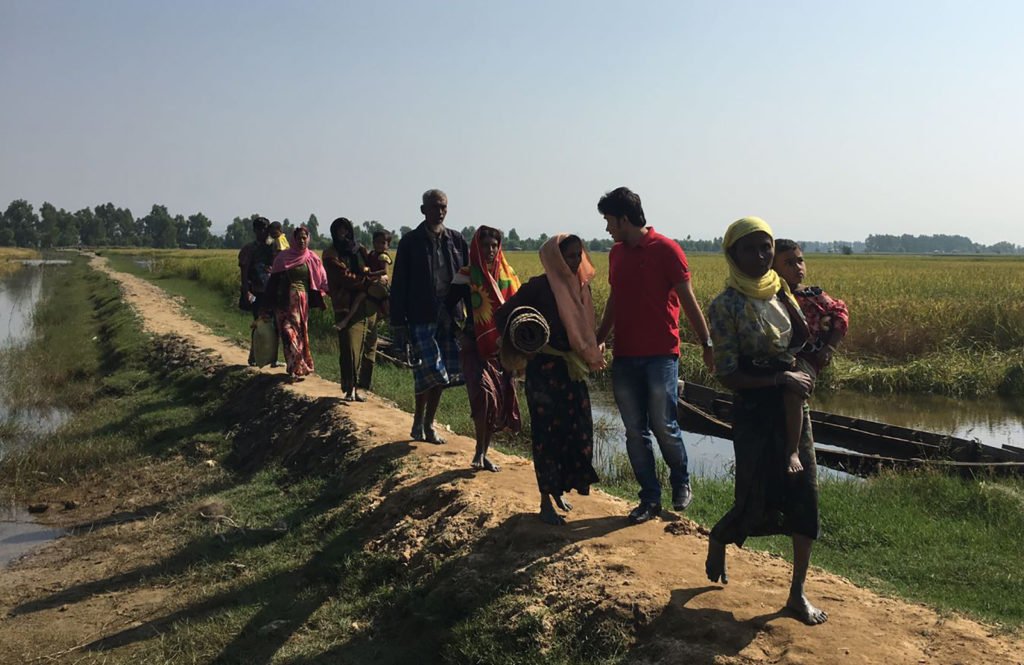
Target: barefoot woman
x=562, y=428
x=756, y=326
x=484, y=285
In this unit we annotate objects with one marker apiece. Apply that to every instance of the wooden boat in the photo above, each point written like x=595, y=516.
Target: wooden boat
x=862, y=447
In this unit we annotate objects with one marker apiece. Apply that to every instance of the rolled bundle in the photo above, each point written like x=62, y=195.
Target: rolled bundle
x=528, y=330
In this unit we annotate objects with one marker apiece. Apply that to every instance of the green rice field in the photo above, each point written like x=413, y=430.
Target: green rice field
x=945, y=325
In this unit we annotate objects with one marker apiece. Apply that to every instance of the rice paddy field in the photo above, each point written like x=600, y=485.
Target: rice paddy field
x=944, y=325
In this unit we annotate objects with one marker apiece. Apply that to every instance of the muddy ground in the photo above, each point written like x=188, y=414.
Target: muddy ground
x=59, y=603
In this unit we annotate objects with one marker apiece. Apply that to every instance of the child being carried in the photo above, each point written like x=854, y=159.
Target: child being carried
x=827, y=321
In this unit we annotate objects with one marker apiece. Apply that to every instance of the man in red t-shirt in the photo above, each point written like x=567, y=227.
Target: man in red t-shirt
x=650, y=281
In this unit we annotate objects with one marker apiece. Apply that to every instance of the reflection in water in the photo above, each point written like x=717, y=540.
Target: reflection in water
x=993, y=422
x=19, y=534
x=19, y=294
x=709, y=456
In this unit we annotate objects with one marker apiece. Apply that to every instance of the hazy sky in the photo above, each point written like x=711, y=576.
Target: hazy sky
x=830, y=120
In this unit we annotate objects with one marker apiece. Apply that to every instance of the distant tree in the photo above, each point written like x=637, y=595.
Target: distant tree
x=198, y=230
x=90, y=229
x=67, y=229
x=239, y=232
x=846, y=250
x=315, y=239
x=48, y=218
x=22, y=222
x=161, y=228
x=467, y=232
x=403, y=230
x=121, y=228
x=112, y=220
x=364, y=236
x=1002, y=247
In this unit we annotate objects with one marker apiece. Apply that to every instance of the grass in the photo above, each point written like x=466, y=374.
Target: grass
x=11, y=258
x=907, y=535
x=945, y=325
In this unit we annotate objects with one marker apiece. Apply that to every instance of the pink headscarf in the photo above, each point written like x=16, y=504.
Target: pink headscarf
x=294, y=257
x=575, y=304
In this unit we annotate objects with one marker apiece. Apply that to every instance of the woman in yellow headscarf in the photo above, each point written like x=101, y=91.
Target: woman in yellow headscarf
x=757, y=327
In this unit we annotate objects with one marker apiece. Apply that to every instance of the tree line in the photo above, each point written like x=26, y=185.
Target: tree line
x=22, y=226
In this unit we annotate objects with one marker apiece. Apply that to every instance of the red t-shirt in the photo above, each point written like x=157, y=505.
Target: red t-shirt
x=646, y=307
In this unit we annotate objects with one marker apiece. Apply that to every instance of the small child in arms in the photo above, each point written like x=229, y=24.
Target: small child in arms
x=376, y=273
x=827, y=320
x=277, y=238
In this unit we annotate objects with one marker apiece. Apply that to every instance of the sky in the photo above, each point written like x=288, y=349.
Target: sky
x=830, y=120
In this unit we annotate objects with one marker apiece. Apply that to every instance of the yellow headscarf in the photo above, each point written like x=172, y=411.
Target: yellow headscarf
x=767, y=285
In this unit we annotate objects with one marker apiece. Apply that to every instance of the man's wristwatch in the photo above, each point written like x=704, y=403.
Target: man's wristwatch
x=708, y=344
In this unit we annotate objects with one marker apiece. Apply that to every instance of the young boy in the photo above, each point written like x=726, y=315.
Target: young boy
x=827, y=321
x=278, y=240
x=376, y=272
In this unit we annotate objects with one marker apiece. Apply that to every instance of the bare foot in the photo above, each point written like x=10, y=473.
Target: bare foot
x=417, y=433
x=714, y=566
x=562, y=503
x=431, y=436
x=794, y=464
x=806, y=612
x=488, y=465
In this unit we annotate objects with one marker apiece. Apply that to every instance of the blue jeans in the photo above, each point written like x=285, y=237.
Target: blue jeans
x=645, y=391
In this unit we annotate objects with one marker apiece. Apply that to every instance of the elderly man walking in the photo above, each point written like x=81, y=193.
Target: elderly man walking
x=650, y=280
x=422, y=314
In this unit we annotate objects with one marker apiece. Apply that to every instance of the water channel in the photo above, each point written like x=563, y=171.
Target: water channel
x=992, y=422
x=19, y=294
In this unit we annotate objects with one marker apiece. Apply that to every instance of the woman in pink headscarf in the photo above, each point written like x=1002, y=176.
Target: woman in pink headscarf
x=561, y=424
x=297, y=281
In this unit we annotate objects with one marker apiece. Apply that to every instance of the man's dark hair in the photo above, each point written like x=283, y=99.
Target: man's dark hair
x=260, y=223
x=489, y=232
x=786, y=245
x=623, y=202
x=381, y=233
x=275, y=226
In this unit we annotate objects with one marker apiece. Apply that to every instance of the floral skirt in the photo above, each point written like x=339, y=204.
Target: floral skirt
x=293, y=328
x=561, y=425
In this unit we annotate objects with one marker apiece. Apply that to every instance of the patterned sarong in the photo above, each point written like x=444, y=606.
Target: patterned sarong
x=434, y=354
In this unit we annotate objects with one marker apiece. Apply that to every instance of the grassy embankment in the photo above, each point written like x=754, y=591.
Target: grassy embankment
x=940, y=540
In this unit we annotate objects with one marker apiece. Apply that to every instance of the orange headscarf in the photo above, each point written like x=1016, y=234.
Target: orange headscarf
x=572, y=295
x=490, y=287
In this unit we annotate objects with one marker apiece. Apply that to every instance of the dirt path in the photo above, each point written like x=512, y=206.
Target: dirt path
x=656, y=569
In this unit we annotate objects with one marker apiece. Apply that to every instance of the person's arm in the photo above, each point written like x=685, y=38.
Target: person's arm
x=244, y=262
x=399, y=285
x=796, y=381
x=607, y=322
x=691, y=308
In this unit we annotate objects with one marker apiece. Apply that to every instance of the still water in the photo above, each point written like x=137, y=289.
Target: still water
x=993, y=422
x=19, y=294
